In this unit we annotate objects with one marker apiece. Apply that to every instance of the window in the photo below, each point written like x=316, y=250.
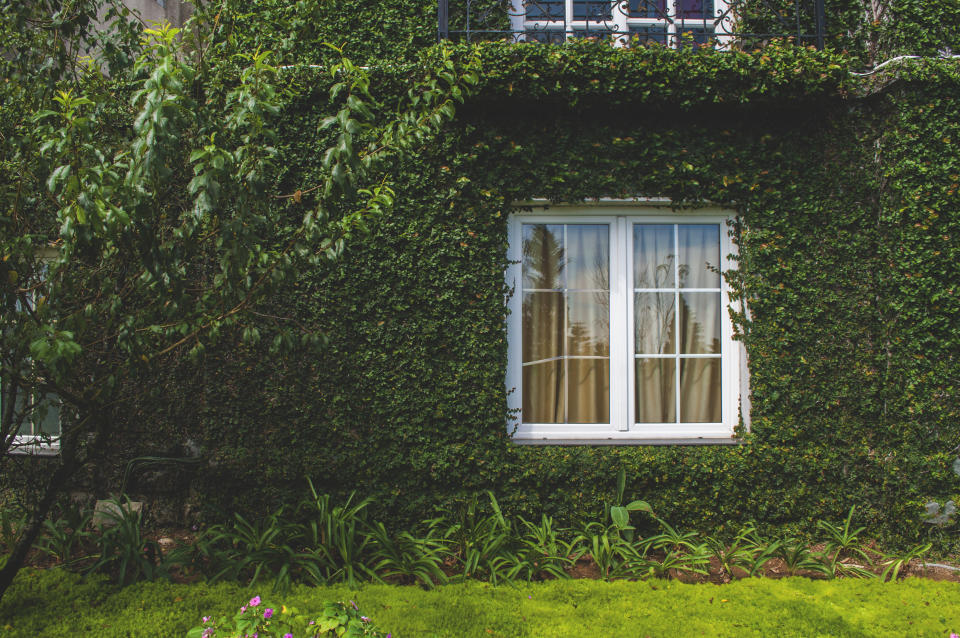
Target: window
x=39, y=430
x=662, y=21
x=36, y=414
x=618, y=329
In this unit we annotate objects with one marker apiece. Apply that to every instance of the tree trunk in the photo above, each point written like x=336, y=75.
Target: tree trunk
x=35, y=523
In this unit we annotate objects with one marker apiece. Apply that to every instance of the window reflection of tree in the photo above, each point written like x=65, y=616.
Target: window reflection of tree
x=548, y=267
x=692, y=332
x=545, y=263
x=542, y=313
x=657, y=325
x=543, y=258
x=601, y=298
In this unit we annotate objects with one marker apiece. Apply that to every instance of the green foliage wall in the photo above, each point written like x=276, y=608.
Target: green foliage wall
x=848, y=262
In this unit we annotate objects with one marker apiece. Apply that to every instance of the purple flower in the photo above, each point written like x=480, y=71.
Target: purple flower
x=354, y=605
x=364, y=619
x=254, y=601
x=207, y=632
x=267, y=613
x=243, y=608
x=287, y=635
x=206, y=619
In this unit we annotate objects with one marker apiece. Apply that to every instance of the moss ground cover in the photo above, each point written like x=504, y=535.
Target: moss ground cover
x=58, y=603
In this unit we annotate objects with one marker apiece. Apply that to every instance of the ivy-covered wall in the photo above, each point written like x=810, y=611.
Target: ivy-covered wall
x=846, y=195
x=848, y=237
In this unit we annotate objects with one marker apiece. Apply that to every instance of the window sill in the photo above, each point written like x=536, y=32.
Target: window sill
x=624, y=441
x=28, y=446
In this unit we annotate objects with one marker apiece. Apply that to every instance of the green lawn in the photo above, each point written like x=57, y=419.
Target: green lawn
x=58, y=603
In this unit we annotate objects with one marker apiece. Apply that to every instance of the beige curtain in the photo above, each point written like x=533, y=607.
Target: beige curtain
x=700, y=390
x=656, y=400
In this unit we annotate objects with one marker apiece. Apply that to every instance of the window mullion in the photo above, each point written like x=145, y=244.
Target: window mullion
x=621, y=348
x=676, y=319
x=563, y=342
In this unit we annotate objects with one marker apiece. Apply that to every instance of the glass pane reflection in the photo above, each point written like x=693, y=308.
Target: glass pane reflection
x=700, y=323
x=588, y=323
x=656, y=9
x=653, y=256
x=588, y=261
x=702, y=9
x=543, y=256
x=654, y=322
x=566, y=316
x=699, y=256
x=542, y=325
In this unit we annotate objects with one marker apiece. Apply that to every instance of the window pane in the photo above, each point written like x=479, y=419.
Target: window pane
x=700, y=36
x=593, y=10
x=543, y=392
x=546, y=10
x=588, y=257
x=700, y=256
x=20, y=407
x=702, y=9
x=654, y=322
x=656, y=399
x=589, y=391
x=47, y=417
x=648, y=9
x=700, y=390
x=546, y=36
x=653, y=256
x=543, y=256
x=649, y=33
x=588, y=323
x=542, y=325
x=700, y=323
x=596, y=30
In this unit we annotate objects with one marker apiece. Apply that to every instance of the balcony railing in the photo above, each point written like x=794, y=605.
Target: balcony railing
x=723, y=23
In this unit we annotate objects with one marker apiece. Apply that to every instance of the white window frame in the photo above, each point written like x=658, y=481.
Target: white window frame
x=621, y=430
x=620, y=22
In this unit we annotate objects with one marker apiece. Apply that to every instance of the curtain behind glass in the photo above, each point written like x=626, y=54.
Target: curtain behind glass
x=566, y=323
x=682, y=318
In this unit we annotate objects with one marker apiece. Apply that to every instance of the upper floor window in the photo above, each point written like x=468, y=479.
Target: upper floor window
x=618, y=327
x=663, y=21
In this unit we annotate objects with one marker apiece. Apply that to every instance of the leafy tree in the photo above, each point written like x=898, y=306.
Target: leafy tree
x=155, y=226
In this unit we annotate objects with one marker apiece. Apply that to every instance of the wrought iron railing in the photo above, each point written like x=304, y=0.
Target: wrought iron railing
x=723, y=23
